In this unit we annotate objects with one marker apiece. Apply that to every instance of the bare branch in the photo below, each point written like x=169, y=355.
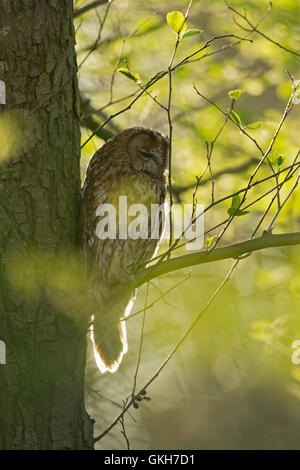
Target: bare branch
x=254, y=28
x=177, y=190
x=141, y=343
x=88, y=7
x=268, y=240
x=88, y=120
x=159, y=75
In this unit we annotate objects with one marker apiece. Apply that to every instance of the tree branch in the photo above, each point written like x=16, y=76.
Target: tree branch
x=88, y=7
x=177, y=190
x=88, y=120
x=254, y=28
x=267, y=240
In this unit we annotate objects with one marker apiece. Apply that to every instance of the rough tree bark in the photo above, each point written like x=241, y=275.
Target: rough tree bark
x=41, y=385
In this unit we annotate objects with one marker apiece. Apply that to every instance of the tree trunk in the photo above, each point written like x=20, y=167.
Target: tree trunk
x=42, y=382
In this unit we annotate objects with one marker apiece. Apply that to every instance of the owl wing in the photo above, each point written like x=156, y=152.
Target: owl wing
x=97, y=190
x=148, y=192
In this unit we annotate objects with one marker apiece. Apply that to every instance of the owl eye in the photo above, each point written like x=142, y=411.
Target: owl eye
x=147, y=155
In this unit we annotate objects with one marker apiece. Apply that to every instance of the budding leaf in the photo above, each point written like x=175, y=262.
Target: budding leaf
x=276, y=158
x=254, y=125
x=236, y=118
x=129, y=75
x=235, y=94
x=236, y=200
x=210, y=240
x=176, y=21
x=191, y=32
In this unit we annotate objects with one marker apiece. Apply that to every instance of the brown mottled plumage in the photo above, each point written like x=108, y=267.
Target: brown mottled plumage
x=132, y=164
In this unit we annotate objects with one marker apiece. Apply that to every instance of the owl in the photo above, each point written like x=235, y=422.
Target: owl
x=131, y=168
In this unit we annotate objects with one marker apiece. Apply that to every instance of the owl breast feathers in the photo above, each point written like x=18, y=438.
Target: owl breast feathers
x=131, y=166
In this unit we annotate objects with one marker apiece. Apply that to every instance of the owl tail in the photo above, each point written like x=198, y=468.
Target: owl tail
x=109, y=337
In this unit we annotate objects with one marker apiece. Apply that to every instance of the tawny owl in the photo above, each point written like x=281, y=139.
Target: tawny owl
x=133, y=164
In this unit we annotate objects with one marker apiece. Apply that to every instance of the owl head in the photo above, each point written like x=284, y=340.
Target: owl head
x=147, y=151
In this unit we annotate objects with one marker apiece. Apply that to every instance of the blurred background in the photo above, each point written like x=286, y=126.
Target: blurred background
x=232, y=384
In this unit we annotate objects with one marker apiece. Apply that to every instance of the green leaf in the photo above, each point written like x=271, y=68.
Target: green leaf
x=191, y=32
x=280, y=160
x=237, y=213
x=129, y=75
x=254, y=125
x=235, y=94
x=210, y=240
x=236, y=200
x=276, y=158
x=236, y=118
x=176, y=21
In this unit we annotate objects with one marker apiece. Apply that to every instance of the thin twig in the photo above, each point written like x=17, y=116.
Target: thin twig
x=141, y=343
x=123, y=431
x=219, y=201
x=157, y=77
x=88, y=7
x=254, y=28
